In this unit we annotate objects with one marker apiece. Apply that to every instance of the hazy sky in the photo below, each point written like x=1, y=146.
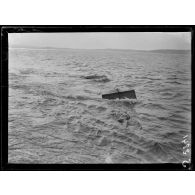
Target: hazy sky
x=103, y=40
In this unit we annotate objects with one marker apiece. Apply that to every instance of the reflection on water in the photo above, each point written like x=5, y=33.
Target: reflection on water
x=57, y=115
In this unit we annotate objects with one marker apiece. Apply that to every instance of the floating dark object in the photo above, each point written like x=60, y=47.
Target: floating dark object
x=120, y=120
x=97, y=78
x=120, y=95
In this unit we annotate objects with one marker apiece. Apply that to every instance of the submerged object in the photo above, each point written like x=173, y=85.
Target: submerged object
x=97, y=78
x=120, y=95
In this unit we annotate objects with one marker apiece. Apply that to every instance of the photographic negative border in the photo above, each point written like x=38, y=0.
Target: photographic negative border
x=75, y=29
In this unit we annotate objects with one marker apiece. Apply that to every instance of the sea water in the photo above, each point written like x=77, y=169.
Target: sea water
x=57, y=114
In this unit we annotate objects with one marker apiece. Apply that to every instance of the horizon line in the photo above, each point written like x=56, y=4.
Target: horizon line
x=49, y=47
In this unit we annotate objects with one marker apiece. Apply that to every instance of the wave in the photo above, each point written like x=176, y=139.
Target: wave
x=47, y=59
x=154, y=106
x=28, y=71
x=77, y=97
x=128, y=103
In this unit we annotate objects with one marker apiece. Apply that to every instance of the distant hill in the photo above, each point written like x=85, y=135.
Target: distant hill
x=171, y=51
x=165, y=51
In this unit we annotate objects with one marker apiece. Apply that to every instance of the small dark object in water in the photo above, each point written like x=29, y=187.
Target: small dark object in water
x=120, y=95
x=127, y=117
x=120, y=120
x=97, y=78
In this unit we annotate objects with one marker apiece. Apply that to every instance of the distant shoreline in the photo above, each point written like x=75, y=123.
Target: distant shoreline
x=165, y=51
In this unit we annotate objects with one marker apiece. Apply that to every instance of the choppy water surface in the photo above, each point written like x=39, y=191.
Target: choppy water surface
x=57, y=115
